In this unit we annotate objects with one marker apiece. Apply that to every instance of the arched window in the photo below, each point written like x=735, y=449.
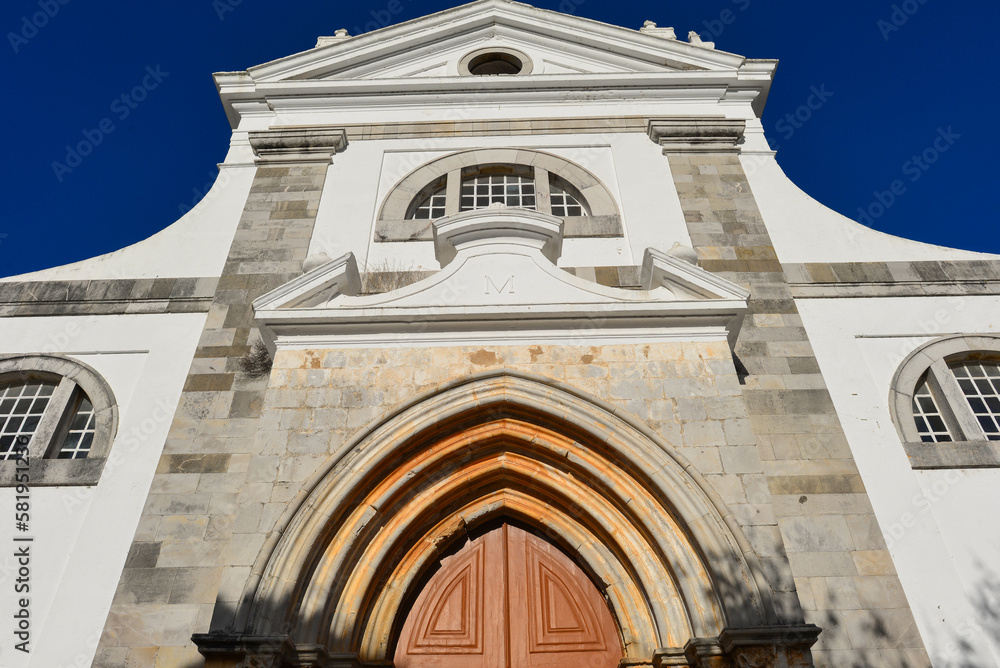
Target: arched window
x=947, y=395
x=26, y=406
x=519, y=178
x=511, y=185
x=54, y=408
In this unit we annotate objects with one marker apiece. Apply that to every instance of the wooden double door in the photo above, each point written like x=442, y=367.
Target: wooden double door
x=508, y=599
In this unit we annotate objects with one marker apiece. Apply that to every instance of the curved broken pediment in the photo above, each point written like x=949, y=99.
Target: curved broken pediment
x=499, y=277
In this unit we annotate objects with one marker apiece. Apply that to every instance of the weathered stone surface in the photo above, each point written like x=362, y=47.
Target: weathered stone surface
x=198, y=503
x=826, y=523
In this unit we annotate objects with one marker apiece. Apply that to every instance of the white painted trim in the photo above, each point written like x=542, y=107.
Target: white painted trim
x=450, y=306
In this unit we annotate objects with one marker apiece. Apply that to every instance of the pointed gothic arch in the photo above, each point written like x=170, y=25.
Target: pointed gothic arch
x=672, y=564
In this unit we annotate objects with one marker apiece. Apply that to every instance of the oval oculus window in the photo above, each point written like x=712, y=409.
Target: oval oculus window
x=495, y=63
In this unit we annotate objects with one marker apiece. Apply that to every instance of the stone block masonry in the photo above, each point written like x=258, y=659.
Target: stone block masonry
x=214, y=504
x=843, y=575
x=319, y=400
x=171, y=579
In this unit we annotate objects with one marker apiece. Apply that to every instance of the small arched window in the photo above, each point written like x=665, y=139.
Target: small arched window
x=514, y=186
x=54, y=408
x=28, y=406
x=947, y=395
x=515, y=177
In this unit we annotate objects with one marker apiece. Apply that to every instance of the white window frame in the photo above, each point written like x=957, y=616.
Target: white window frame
x=453, y=190
x=969, y=447
x=45, y=469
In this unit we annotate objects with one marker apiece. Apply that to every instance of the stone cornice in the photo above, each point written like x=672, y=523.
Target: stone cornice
x=801, y=636
x=106, y=296
x=697, y=135
x=709, y=87
x=297, y=145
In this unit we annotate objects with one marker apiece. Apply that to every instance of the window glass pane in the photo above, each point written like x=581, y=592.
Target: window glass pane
x=978, y=381
x=81, y=430
x=927, y=417
x=988, y=426
x=564, y=204
x=21, y=409
x=507, y=189
x=431, y=208
x=936, y=424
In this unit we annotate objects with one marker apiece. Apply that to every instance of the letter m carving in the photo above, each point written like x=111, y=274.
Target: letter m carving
x=490, y=284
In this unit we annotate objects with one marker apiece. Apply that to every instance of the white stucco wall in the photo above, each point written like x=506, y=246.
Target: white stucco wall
x=82, y=534
x=629, y=165
x=942, y=527
x=804, y=230
x=194, y=246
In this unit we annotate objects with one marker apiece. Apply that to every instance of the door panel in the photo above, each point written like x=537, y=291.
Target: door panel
x=565, y=617
x=508, y=600
x=452, y=622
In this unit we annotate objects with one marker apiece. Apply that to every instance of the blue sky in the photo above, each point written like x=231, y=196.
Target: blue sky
x=899, y=81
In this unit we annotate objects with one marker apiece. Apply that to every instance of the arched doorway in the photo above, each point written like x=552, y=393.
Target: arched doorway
x=508, y=599
x=351, y=555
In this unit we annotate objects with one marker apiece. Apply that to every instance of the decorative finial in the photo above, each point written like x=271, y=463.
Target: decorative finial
x=695, y=39
x=338, y=37
x=649, y=28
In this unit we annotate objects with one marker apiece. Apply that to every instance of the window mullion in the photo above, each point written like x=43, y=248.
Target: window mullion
x=955, y=407
x=453, y=193
x=48, y=426
x=543, y=195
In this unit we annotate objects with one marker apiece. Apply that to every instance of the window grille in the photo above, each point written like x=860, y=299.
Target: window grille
x=22, y=406
x=481, y=191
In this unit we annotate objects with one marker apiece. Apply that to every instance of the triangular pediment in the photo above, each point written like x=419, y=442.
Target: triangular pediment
x=555, y=44
x=499, y=281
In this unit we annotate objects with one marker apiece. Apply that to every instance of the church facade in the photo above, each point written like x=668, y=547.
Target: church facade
x=502, y=340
